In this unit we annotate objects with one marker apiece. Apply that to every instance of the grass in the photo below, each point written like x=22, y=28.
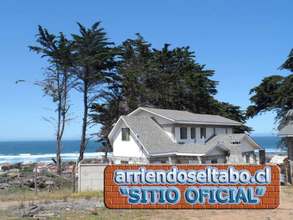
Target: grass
x=29, y=195
x=123, y=214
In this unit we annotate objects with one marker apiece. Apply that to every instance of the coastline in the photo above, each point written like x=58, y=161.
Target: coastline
x=28, y=152
x=46, y=158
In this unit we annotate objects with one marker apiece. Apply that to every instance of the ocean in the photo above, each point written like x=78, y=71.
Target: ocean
x=44, y=151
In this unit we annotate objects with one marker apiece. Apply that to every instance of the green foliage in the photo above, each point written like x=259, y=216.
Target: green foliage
x=116, y=80
x=288, y=64
x=93, y=57
x=163, y=78
x=93, y=64
x=57, y=80
x=274, y=93
x=58, y=51
x=266, y=96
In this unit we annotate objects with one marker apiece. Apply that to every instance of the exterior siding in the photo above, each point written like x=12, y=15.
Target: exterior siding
x=210, y=131
x=126, y=148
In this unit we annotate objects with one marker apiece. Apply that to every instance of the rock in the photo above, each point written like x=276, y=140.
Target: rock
x=4, y=185
x=29, y=182
x=49, y=182
x=31, y=211
x=45, y=215
x=12, y=175
x=14, y=170
x=6, y=166
x=3, y=173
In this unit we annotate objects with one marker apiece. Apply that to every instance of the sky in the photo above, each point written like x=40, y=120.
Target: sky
x=243, y=41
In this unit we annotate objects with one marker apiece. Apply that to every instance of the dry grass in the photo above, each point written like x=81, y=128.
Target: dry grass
x=108, y=214
x=285, y=211
x=28, y=195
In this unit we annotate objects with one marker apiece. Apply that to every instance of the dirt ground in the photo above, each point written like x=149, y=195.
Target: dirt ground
x=92, y=208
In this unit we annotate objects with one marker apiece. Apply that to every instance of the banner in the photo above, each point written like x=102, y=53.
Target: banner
x=191, y=186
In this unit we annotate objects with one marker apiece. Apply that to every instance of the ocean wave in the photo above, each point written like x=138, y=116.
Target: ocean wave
x=46, y=158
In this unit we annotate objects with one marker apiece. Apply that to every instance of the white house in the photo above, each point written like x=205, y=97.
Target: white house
x=150, y=135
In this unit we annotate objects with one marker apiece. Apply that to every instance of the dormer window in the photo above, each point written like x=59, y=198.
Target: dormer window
x=183, y=133
x=125, y=134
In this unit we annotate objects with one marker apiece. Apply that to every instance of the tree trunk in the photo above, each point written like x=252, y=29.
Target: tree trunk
x=83, y=140
x=58, y=137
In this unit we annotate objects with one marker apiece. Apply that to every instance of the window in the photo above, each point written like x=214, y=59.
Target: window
x=214, y=131
x=183, y=133
x=203, y=133
x=192, y=133
x=125, y=134
x=214, y=161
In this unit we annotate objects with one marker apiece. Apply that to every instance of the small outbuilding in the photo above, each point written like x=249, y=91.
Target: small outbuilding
x=286, y=132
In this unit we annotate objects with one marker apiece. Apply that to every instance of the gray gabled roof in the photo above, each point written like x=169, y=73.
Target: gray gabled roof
x=226, y=141
x=287, y=131
x=156, y=142
x=185, y=117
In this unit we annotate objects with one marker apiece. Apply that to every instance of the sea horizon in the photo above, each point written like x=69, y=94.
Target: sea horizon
x=30, y=151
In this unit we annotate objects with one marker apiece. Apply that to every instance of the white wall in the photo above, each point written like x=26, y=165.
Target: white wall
x=168, y=128
x=209, y=133
x=126, y=148
x=91, y=177
x=188, y=140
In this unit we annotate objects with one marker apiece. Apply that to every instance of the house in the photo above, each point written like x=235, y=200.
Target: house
x=151, y=135
x=286, y=132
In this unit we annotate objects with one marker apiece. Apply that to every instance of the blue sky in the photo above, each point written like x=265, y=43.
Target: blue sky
x=243, y=41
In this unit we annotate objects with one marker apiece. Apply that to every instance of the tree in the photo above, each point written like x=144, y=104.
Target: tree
x=93, y=62
x=162, y=78
x=274, y=93
x=57, y=82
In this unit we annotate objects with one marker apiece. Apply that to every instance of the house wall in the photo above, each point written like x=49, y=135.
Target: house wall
x=218, y=158
x=209, y=133
x=173, y=130
x=126, y=148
